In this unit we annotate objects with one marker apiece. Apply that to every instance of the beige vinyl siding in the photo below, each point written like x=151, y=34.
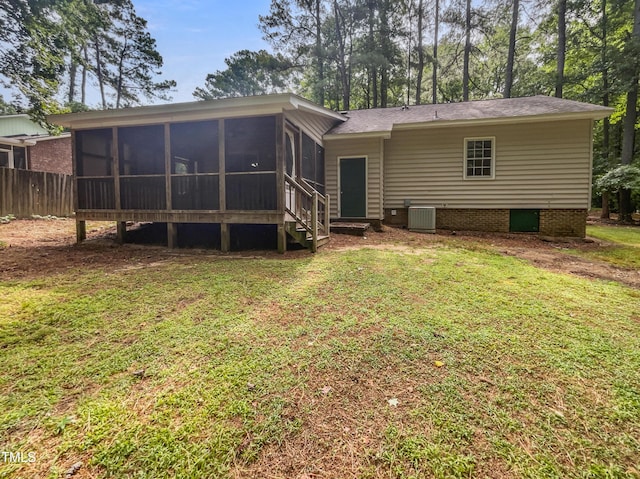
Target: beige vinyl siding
x=371, y=148
x=537, y=165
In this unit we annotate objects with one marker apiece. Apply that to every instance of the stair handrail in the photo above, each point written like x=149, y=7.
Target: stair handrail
x=322, y=200
x=317, y=222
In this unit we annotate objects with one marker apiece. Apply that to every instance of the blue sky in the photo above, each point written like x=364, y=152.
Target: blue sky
x=195, y=36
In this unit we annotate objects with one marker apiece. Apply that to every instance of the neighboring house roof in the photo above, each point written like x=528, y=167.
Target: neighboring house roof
x=20, y=130
x=380, y=121
x=26, y=140
x=20, y=125
x=193, y=111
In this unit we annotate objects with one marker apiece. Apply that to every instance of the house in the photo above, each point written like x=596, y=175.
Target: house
x=518, y=164
x=280, y=160
x=26, y=145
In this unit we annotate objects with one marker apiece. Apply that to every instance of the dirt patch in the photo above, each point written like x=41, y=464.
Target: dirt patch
x=45, y=247
x=561, y=262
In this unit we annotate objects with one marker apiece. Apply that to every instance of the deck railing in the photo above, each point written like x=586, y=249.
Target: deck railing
x=308, y=207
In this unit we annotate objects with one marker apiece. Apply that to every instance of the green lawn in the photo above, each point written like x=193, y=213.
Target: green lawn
x=326, y=365
x=622, y=246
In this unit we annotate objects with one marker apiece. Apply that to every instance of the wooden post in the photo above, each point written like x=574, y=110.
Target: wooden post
x=172, y=235
x=74, y=169
x=121, y=228
x=167, y=166
x=327, y=215
x=314, y=222
x=225, y=234
x=281, y=138
x=172, y=230
x=116, y=168
x=282, y=238
x=225, y=237
x=81, y=231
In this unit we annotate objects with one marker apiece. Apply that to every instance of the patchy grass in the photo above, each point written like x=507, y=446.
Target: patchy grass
x=7, y=219
x=623, y=248
x=624, y=235
x=424, y=362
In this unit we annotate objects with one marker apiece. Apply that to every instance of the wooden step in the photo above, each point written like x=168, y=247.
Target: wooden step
x=354, y=229
x=322, y=240
x=301, y=236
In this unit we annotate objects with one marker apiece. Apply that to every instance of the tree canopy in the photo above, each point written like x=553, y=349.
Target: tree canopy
x=351, y=54
x=47, y=45
x=347, y=54
x=248, y=73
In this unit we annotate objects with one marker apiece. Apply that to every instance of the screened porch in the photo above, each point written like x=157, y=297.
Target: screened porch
x=260, y=170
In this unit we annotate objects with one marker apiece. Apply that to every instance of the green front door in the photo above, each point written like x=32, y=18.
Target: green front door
x=353, y=187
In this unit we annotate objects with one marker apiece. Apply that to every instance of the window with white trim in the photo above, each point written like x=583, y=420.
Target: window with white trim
x=479, y=157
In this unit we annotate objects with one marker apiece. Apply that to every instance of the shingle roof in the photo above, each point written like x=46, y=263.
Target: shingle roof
x=383, y=119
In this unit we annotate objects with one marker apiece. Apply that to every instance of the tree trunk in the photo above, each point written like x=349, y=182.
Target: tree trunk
x=606, y=211
x=467, y=53
x=628, y=138
x=99, y=74
x=319, y=55
x=420, y=53
x=373, y=71
x=384, y=68
x=434, y=74
x=562, y=45
x=83, y=93
x=512, y=49
x=342, y=66
x=606, y=135
x=73, y=70
x=119, y=83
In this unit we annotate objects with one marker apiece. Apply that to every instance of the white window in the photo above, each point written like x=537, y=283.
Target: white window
x=479, y=158
x=6, y=156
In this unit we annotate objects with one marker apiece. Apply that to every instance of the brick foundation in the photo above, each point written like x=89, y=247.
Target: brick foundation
x=563, y=223
x=473, y=219
x=556, y=222
x=401, y=218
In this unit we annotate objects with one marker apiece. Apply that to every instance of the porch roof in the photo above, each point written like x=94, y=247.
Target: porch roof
x=193, y=111
x=381, y=121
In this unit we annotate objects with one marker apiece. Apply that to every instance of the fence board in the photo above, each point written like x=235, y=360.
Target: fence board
x=24, y=193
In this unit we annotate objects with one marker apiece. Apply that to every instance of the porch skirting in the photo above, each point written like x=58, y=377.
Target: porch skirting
x=552, y=222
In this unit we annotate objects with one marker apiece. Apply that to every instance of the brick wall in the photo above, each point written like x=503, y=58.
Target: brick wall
x=563, y=223
x=473, y=219
x=556, y=222
x=401, y=218
x=51, y=155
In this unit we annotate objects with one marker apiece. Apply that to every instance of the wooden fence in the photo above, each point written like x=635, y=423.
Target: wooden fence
x=24, y=193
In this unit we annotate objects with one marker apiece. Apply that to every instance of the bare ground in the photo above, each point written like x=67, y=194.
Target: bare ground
x=31, y=248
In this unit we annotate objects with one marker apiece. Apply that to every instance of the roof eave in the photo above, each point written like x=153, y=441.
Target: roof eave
x=439, y=123
x=16, y=141
x=385, y=135
x=190, y=111
x=302, y=104
x=64, y=134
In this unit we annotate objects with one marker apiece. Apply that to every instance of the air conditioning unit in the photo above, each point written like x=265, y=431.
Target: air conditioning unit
x=422, y=219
